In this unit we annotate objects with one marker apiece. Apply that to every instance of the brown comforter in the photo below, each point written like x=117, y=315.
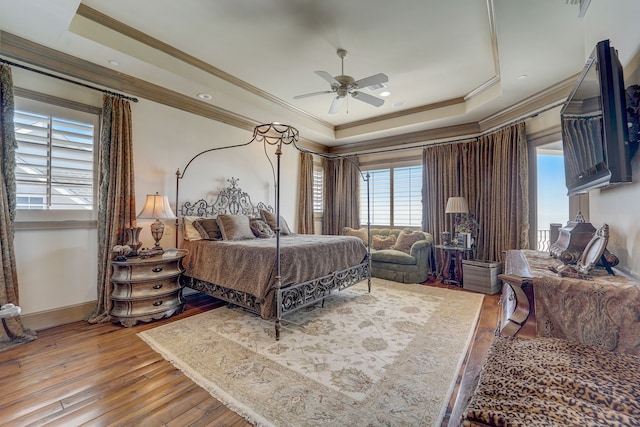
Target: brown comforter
x=553, y=382
x=250, y=265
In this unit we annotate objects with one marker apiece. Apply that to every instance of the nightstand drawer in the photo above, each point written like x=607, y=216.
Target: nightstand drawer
x=143, y=290
x=144, y=309
x=145, y=271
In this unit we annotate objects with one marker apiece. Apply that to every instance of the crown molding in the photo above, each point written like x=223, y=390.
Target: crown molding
x=536, y=102
x=27, y=52
x=410, y=140
x=119, y=27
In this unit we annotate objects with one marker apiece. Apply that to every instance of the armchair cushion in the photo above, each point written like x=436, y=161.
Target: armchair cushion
x=393, y=256
x=382, y=242
x=406, y=239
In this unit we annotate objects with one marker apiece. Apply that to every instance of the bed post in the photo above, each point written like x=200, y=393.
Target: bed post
x=277, y=134
x=368, y=231
x=278, y=276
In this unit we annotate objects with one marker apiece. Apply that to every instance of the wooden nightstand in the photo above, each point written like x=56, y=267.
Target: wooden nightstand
x=146, y=289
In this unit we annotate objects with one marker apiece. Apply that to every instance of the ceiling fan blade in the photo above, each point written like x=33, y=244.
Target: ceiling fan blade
x=376, y=102
x=335, y=105
x=328, y=77
x=306, y=95
x=376, y=79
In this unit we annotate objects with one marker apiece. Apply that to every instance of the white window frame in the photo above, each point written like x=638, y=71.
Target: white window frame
x=392, y=199
x=34, y=102
x=318, y=190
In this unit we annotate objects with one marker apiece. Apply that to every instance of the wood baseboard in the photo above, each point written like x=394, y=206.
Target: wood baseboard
x=59, y=316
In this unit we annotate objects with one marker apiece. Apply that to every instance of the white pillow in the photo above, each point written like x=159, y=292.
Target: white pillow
x=189, y=231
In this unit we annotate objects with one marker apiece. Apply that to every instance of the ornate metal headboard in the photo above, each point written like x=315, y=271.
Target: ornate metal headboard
x=231, y=200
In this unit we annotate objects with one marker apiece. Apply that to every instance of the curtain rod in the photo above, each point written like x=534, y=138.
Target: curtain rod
x=44, y=73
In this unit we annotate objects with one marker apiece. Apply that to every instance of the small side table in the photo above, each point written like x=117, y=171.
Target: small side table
x=452, y=257
x=146, y=289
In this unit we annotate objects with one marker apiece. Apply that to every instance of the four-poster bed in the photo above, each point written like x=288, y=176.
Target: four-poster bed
x=270, y=277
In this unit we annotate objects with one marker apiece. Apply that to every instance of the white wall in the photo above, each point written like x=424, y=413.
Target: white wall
x=619, y=206
x=58, y=268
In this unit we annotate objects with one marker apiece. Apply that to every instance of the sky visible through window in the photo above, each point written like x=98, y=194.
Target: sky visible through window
x=553, y=202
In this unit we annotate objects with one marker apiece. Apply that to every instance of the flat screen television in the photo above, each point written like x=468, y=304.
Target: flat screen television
x=595, y=138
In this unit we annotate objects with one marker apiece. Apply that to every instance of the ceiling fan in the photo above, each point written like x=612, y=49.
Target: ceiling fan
x=344, y=85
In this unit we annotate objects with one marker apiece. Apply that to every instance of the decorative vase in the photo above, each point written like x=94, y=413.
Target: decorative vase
x=133, y=238
x=445, y=237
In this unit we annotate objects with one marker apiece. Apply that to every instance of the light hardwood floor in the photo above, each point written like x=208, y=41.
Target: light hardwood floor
x=98, y=375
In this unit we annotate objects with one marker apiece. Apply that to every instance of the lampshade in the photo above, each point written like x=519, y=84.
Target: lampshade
x=457, y=205
x=156, y=207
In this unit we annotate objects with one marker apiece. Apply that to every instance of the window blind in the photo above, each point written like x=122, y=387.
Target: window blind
x=54, y=162
x=395, y=197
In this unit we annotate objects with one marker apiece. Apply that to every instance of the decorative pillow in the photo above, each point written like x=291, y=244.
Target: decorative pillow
x=189, y=231
x=270, y=219
x=261, y=229
x=406, y=239
x=208, y=228
x=381, y=242
x=360, y=233
x=235, y=227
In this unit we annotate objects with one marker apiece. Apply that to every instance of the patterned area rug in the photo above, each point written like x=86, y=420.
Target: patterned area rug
x=389, y=357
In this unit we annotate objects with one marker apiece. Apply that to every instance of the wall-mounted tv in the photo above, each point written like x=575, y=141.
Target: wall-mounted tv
x=594, y=125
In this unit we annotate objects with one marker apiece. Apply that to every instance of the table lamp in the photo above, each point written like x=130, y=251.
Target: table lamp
x=156, y=207
x=458, y=206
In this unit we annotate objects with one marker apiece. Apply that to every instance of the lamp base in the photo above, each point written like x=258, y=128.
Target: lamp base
x=157, y=230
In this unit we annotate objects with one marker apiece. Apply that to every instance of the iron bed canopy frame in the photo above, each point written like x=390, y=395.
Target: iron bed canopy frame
x=293, y=297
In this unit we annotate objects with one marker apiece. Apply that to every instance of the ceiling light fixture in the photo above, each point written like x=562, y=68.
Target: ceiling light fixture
x=205, y=96
x=384, y=94
x=398, y=104
x=522, y=76
x=114, y=62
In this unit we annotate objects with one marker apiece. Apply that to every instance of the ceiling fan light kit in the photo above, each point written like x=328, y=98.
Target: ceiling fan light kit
x=344, y=85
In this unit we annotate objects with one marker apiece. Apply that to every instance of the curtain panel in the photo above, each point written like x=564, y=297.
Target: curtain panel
x=116, y=194
x=341, y=195
x=492, y=174
x=305, y=204
x=13, y=332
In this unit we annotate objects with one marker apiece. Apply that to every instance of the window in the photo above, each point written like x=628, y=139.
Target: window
x=553, y=202
x=317, y=190
x=55, y=157
x=395, y=196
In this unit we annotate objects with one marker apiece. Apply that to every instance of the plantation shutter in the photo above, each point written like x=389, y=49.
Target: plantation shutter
x=317, y=190
x=407, y=196
x=54, y=162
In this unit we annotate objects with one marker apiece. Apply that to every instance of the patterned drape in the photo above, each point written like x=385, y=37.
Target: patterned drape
x=341, y=195
x=305, y=205
x=14, y=331
x=492, y=174
x=116, y=194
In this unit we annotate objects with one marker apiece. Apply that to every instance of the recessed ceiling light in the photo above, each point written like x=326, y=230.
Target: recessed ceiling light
x=385, y=93
x=398, y=104
x=114, y=62
x=204, y=96
x=522, y=76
